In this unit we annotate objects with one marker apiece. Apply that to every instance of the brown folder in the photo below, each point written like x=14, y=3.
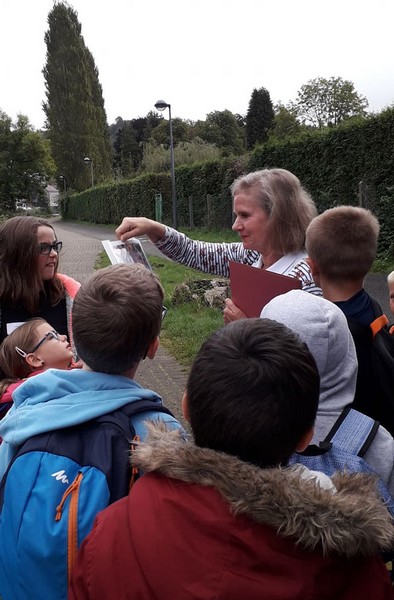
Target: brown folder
x=253, y=288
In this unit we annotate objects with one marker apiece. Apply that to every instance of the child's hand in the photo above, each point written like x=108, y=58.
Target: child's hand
x=231, y=312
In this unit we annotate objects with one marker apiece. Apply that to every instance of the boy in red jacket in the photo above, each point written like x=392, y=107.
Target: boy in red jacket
x=222, y=517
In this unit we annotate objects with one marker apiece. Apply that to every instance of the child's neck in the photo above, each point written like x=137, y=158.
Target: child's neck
x=340, y=291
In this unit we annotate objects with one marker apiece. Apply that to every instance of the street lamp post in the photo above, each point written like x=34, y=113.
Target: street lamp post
x=89, y=161
x=162, y=105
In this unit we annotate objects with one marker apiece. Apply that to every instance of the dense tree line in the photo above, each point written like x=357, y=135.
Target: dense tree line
x=77, y=126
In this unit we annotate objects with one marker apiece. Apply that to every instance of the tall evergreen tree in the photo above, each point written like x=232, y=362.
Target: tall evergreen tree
x=74, y=108
x=259, y=118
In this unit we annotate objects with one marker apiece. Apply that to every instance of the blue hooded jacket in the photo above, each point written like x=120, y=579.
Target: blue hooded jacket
x=50, y=500
x=56, y=399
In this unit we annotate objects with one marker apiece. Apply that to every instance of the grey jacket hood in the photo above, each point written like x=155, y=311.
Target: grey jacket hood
x=323, y=327
x=350, y=522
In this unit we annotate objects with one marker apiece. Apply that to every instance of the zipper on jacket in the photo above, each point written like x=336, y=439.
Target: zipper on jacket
x=72, y=538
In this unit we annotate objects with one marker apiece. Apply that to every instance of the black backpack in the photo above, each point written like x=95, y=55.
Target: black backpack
x=375, y=380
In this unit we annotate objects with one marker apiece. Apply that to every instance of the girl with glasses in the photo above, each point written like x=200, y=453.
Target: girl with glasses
x=30, y=349
x=30, y=285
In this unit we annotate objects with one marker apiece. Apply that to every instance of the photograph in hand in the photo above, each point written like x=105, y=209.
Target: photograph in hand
x=130, y=251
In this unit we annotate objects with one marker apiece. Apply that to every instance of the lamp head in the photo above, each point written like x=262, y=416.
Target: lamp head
x=161, y=105
x=87, y=160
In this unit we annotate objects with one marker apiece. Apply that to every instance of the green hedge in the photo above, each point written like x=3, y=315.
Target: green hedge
x=330, y=163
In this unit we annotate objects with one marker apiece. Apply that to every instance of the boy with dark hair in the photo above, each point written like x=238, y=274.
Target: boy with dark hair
x=341, y=245
x=116, y=323
x=221, y=517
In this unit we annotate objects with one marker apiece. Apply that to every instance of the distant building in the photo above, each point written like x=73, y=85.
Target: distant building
x=53, y=196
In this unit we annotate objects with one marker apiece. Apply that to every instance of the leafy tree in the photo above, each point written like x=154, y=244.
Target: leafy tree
x=259, y=118
x=25, y=162
x=181, y=132
x=222, y=129
x=129, y=138
x=74, y=107
x=285, y=124
x=327, y=102
x=127, y=152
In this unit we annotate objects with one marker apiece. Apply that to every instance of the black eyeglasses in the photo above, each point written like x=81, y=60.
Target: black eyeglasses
x=48, y=336
x=47, y=248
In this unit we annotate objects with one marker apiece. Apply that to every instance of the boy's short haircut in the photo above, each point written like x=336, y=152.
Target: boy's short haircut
x=390, y=277
x=342, y=241
x=253, y=392
x=116, y=316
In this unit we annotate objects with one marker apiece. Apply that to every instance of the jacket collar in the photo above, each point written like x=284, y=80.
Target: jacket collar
x=350, y=522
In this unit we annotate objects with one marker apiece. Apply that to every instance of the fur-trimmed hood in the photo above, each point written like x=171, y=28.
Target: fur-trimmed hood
x=350, y=522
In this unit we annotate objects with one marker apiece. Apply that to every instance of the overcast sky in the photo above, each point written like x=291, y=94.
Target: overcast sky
x=203, y=55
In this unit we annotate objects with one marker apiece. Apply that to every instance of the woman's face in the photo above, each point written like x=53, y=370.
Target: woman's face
x=251, y=221
x=54, y=350
x=46, y=262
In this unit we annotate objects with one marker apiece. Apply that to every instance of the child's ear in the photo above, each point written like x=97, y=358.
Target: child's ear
x=313, y=266
x=185, y=406
x=34, y=361
x=153, y=347
x=305, y=440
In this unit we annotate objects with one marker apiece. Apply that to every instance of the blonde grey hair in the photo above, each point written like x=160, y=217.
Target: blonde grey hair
x=288, y=205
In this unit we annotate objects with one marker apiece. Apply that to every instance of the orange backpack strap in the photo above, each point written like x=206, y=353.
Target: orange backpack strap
x=378, y=324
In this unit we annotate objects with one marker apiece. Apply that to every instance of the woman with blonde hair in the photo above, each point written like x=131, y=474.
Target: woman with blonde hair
x=272, y=211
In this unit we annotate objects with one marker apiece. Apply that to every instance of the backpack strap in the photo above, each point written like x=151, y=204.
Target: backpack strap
x=378, y=324
x=138, y=406
x=353, y=432
x=133, y=408
x=126, y=423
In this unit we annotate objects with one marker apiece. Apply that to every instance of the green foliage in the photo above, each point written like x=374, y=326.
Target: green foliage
x=157, y=158
x=285, y=125
x=259, y=118
x=385, y=211
x=128, y=139
x=330, y=163
x=222, y=129
x=25, y=162
x=327, y=102
x=181, y=132
x=74, y=106
x=187, y=325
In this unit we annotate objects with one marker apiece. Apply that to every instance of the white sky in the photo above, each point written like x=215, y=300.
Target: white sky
x=203, y=55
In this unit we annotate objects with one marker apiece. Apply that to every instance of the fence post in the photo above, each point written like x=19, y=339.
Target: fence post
x=191, y=216
x=158, y=207
x=363, y=194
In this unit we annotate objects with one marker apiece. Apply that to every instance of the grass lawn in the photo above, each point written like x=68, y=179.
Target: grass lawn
x=187, y=325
